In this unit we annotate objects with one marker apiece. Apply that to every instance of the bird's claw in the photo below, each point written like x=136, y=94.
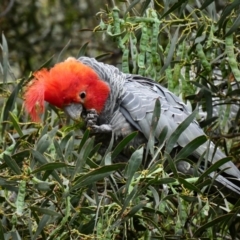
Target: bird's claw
x=91, y=118
x=104, y=128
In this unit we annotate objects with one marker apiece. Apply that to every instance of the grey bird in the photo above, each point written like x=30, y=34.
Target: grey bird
x=119, y=103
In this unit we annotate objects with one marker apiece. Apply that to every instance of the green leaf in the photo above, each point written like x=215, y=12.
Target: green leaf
x=155, y=194
x=171, y=51
x=9, y=185
x=134, y=210
x=1, y=231
x=69, y=148
x=45, y=211
x=166, y=180
x=62, y=51
x=107, y=153
x=181, y=127
x=214, y=167
x=12, y=164
x=95, y=150
x=15, y=122
x=41, y=159
x=175, y=6
x=43, y=144
x=172, y=165
x=211, y=223
x=82, y=50
x=226, y=13
x=82, y=156
x=41, y=225
x=58, y=150
x=206, y=3
x=131, y=6
x=123, y=144
x=206, y=182
x=18, y=157
x=133, y=166
x=191, y=147
x=50, y=166
x=5, y=58
x=65, y=140
x=10, y=104
x=154, y=123
x=189, y=186
x=84, y=139
x=15, y=235
x=234, y=27
x=96, y=175
x=144, y=6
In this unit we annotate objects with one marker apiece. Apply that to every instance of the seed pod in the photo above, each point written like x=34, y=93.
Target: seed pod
x=202, y=57
x=232, y=57
x=116, y=20
x=21, y=197
x=169, y=79
x=143, y=48
x=125, y=60
x=134, y=51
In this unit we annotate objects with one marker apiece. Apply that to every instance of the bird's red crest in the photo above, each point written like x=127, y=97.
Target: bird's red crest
x=61, y=86
x=34, y=96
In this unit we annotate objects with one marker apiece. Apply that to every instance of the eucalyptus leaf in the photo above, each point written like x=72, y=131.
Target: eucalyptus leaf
x=50, y=166
x=133, y=166
x=96, y=175
x=213, y=222
x=123, y=144
x=82, y=50
x=12, y=164
x=181, y=127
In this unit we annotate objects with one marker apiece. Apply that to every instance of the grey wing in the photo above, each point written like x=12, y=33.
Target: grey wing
x=138, y=103
x=137, y=106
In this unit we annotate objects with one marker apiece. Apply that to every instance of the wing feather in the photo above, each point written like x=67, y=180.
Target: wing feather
x=137, y=106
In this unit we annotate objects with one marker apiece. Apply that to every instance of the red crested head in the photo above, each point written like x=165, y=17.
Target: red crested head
x=66, y=83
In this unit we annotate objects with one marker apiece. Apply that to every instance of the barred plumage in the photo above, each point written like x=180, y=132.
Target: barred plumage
x=120, y=103
x=136, y=97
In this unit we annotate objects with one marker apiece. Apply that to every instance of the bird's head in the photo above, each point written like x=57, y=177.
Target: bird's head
x=69, y=85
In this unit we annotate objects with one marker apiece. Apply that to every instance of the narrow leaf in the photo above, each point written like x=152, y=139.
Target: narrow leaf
x=82, y=156
x=181, y=127
x=133, y=166
x=171, y=51
x=215, y=221
x=11, y=164
x=82, y=50
x=10, y=103
x=50, y=166
x=214, y=167
x=189, y=186
x=191, y=147
x=15, y=122
x=5, y=58
x=123, y=144
x=45, y=211
x=96, y=175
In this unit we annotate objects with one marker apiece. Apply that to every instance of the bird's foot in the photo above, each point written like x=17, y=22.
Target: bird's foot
x=92, y=119
x=104, y=128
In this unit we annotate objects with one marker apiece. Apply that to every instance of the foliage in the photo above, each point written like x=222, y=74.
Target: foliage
x=38, y=30
x=198, y=63
x=56, y=184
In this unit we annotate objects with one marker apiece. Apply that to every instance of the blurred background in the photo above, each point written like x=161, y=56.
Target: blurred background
x=37, y=30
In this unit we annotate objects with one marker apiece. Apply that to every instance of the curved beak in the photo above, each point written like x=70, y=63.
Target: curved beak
x=74, y=111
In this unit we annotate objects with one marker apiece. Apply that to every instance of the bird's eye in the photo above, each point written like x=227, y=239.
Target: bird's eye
x=82, y=95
